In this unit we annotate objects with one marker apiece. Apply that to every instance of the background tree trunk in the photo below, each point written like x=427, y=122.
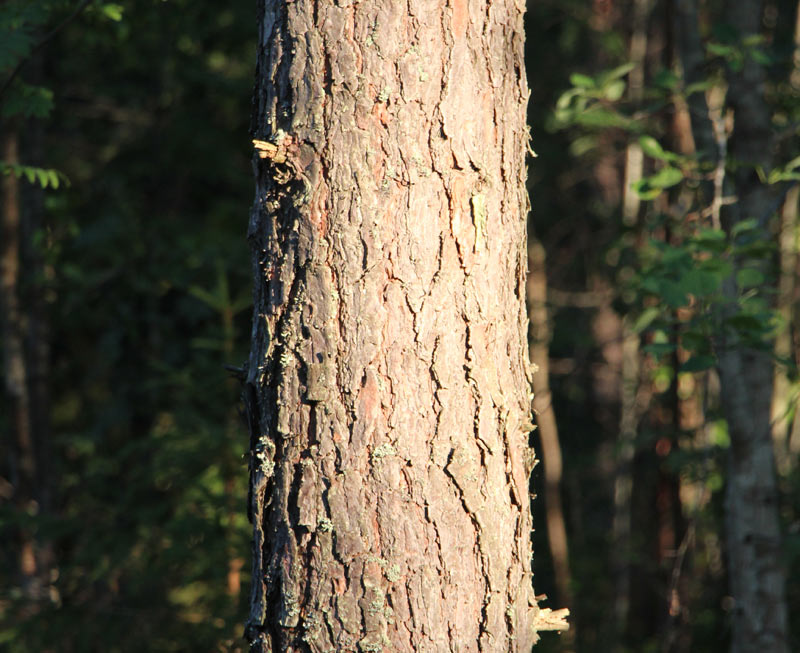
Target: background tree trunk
x=23, y=455
x=547, y=425
x=753, y=532
x=387, y=385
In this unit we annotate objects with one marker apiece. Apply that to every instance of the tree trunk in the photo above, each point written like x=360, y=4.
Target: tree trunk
x=387, y=385
x=546, y=423
x=22, y=450
x=629, y=368
x=759, y=622
x=753, y=532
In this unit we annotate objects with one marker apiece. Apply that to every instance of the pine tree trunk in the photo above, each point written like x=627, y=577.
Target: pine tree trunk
x=387, y=385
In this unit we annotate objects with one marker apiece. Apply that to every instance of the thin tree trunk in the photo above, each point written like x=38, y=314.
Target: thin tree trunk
x=784, y=413
x=623, y=480
x=629, y=369
x=38, y=275
x=546, y=423
x=753, y=533
x=387, y=386
x=783, y=395
x=15, y=375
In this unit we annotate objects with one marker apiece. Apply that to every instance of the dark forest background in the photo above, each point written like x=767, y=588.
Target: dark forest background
x=126, y=186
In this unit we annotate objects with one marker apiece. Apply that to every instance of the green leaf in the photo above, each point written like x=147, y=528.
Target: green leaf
x=758, y=249
x=699, y=87
x=777, y=176
x=42, y=176
x=673, y=293
x=711, y=234
x=744, y=226
x=651, y=147
x=695, y=341
x=698, y=363
x=749, y=278
x=598, y=116
x=749, y=324
x=581, y=81
x=666, y=177
x=721, y=268
x=714, y=241
x=646, y=318
x=614, y=90
x=650, y=284
x=26, y=100
x=753, y=40
x=643, y=189
x=761, y=57
x=672, y=255
x=583, y=144
x=720, y=49
x=794, y=163
x=112, y=11
x=616, y=73
x=666, y=79
x=700, y=282
x=565, y=99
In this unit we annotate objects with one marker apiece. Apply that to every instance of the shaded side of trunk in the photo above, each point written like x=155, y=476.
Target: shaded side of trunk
x=387, y=385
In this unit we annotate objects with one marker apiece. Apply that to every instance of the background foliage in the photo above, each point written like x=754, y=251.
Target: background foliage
x=147, y=285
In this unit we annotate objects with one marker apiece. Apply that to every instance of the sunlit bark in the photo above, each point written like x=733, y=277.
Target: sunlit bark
x=388, y=381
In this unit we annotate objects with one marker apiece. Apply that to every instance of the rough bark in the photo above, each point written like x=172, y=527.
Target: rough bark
x=753, y=532
x=387, y=385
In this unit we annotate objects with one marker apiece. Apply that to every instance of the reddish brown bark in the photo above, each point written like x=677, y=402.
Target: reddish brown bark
x=387, y=386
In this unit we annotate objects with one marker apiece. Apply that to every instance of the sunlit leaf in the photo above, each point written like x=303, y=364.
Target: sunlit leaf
x=582, y=81
x=112, y=11
x=647, y=317
x=616, y=73
x=614, y=90
x=666, y=177
x=651, y=147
